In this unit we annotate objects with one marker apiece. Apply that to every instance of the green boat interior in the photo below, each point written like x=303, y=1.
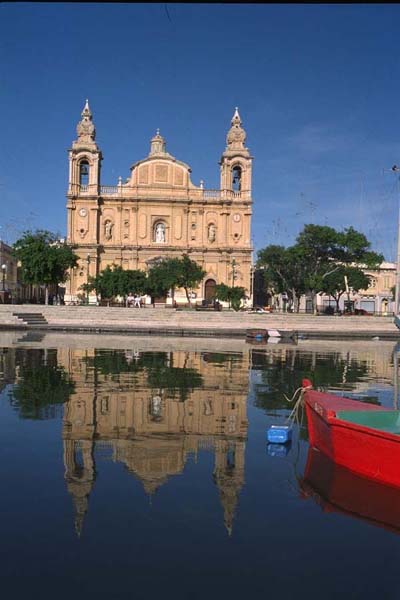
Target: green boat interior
x=385, y=420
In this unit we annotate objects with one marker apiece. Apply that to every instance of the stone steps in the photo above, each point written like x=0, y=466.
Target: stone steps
x=34, y=318
x=182, y=322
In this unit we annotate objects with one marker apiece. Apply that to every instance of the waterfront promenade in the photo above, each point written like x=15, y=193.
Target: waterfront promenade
x=166, y=321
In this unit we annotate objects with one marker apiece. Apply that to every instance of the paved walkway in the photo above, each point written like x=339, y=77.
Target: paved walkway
x=166, y=321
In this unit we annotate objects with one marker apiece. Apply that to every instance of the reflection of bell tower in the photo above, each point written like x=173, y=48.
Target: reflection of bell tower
x=80, y=475
x=229, y=476
x=236, y=160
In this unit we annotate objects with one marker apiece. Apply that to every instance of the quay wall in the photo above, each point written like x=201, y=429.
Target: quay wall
x=168, y=321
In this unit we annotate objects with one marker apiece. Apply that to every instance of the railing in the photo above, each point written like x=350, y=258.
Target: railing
x=107, y=190
x=126, y=191
x=211, y=193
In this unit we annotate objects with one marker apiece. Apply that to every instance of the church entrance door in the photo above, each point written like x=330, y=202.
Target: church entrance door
x=209, y=290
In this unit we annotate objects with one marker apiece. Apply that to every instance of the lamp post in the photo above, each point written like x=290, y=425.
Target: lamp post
x=396, y=169
x=87, y=278
x=252, y=277
x=233, y=271
x=4, y=269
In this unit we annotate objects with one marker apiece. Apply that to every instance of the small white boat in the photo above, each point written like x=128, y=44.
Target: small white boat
x=281, y=333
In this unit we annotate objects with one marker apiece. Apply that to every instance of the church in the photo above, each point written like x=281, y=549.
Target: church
x=157, y=212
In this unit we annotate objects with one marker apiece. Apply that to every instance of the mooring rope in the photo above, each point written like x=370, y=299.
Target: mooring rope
x=299, y=402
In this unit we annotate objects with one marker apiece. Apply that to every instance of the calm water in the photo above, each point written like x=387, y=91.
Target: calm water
x=138, y=468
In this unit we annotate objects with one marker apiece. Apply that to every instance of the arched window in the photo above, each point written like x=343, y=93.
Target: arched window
x=236, y=178
x=84, y=172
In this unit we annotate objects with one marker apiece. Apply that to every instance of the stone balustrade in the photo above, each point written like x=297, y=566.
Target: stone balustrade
x=128, y=192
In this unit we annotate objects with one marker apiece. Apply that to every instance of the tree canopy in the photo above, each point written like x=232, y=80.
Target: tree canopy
x=44, y=258
x=172, y=273
x=116, y=281
x=189, y=275
x=319, y=252
x=233, y=295
x=162, y=277
x=284, y=271
x=334, y=284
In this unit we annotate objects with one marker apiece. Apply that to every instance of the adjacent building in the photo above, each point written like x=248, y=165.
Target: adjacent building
x=158, y=212
x=378, y=298
x=9, y=286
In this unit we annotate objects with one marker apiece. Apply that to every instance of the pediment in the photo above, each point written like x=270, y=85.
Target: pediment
x=160, y=171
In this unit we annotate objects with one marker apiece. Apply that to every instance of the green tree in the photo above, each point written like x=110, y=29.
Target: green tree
x=45, y=259
x=284, y=270
x=334, y=283
x=116, y=281
x=162, y=277
x=324, y=250
x=189, y=275
x=319, y=252
x=172, y=273
x=233, y=295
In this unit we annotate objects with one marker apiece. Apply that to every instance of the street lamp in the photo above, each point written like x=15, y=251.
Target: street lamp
x=396, y=169
x=252, y=276
x=87, y=278
x=233, y=271
x=4, y=269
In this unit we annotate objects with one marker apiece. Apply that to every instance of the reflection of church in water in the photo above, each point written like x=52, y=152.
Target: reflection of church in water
x=151, y=432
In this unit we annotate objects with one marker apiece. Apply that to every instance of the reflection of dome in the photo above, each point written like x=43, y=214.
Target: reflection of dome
x=152, y=459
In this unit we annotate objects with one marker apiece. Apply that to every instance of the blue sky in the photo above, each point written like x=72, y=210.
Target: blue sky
x=317, y=86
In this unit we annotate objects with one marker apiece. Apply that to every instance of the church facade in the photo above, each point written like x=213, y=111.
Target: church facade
x=158, y=213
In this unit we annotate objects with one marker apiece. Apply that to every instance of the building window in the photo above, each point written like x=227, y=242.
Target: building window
x=236, y=179
x=84, y=172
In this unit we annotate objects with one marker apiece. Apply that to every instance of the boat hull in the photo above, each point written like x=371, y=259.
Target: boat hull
x=336, y=489
x=369, y=452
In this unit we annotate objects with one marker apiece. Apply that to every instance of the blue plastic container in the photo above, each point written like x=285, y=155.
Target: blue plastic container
x=279, y=434
x=279, y=450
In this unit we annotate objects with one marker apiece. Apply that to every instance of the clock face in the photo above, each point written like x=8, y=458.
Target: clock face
x=83, y=212
x=236, y=218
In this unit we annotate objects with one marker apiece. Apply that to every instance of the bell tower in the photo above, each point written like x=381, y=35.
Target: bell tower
x=84, y=158
x=236, y=160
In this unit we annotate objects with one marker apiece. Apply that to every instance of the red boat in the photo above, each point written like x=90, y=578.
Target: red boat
x=337, y=490
x=361, y=437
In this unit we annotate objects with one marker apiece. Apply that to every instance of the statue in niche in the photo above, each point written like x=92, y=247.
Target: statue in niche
x=160, y=233
x=156, y=408
x=108, y=227
x=212, y=232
